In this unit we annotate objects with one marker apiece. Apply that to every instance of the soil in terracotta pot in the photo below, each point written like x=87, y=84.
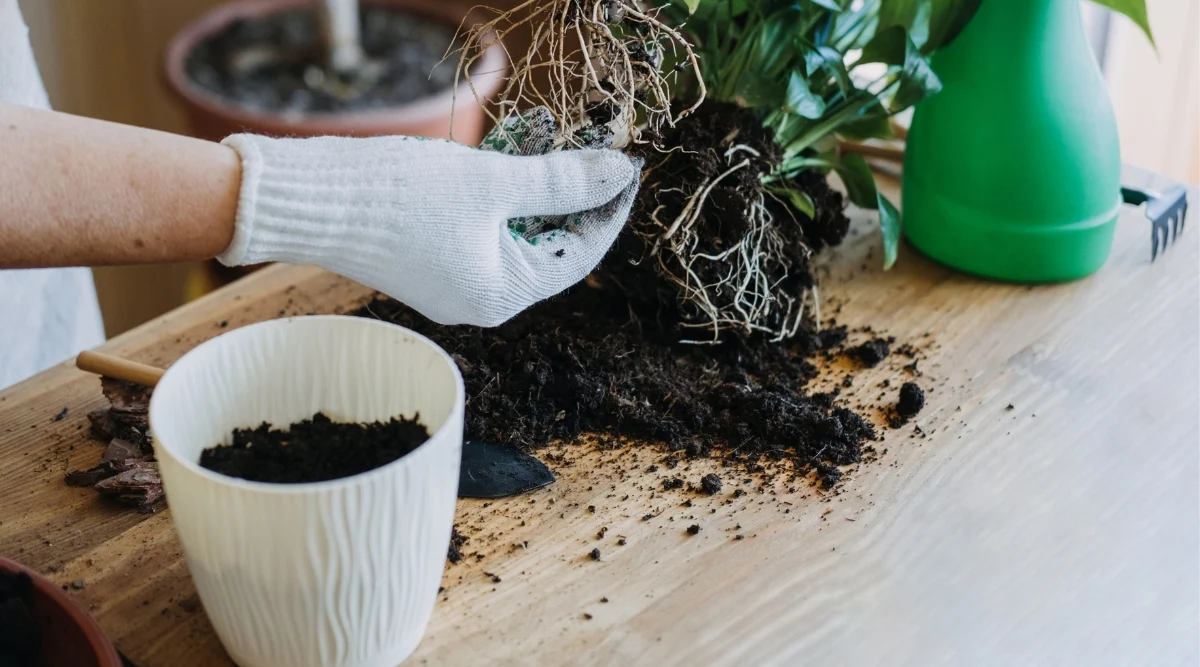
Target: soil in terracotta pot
x=18, y=628
x=313, y=450
x=273, y=63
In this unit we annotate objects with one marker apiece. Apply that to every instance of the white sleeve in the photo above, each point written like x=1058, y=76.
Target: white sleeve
x=20, y=82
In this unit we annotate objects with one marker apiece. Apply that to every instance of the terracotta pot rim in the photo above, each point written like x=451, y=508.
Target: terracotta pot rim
x=105, y=652
x=492, y=68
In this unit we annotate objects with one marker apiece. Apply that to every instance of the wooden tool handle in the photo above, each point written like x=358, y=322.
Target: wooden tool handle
x=116, y=367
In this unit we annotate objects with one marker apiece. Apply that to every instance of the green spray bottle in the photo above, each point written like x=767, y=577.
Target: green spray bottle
x=1013, y=171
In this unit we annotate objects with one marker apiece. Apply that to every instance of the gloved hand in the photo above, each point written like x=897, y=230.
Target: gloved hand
x=465, y=236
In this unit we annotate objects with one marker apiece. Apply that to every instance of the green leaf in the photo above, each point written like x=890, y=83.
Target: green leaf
x=692, y=5
x=949, y=18
x=917, y=81
x=849, y=110
x=814, y=60
x=755, y=90
x=794, y=165
x=856, y=175
x=800, y=100
x=889, y=226
x=774, y=53
x=932, y=24
x=1135, y=10
x=916, y=78
x=821, y=58
x=888, y=46
x=873, y=124
x=854, y=27
x=911, y=15
x=799, y=200
x=785, y=125
x=831, y=5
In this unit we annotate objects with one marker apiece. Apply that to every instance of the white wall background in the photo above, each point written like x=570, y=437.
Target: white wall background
x=1157, y=95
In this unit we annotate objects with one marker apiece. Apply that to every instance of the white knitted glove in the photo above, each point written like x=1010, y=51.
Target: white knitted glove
x=427, y=221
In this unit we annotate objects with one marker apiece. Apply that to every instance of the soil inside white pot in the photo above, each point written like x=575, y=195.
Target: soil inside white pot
x=313, y=450
x=275, y=63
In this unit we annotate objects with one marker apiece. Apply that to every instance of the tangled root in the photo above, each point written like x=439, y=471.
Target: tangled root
x=736, y=257
x=603, y=60
x=744, y=296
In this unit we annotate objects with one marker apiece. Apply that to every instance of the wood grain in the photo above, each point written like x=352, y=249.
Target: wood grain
x=1064, y=530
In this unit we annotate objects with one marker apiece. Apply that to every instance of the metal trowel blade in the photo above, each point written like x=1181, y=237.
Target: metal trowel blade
x=497, y=471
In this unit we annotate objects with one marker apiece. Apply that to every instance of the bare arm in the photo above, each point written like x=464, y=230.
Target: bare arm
x=81, y=192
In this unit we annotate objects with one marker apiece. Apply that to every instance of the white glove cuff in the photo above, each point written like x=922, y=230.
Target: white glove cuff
x=276, y=220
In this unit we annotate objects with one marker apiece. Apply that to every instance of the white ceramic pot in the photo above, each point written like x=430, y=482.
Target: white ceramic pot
x=337, y=573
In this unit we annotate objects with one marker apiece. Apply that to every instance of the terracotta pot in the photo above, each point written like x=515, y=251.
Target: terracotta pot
x=215, y=118
x=69, y=635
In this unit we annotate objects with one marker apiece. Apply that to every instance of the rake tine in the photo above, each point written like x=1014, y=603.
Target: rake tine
x=1167, y=213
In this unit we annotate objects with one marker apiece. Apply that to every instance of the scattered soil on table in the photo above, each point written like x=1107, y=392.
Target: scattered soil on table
x=593, y=361
x=19, y=635
x=313, y=450
x=457, y=542
x=274, y=63
x=127, y=473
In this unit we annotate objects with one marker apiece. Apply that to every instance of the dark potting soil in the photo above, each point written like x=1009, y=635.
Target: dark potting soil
x=269, y=63
x=701, y=137
x=703, y=140
x=18, y=627
x=313, y=450
x=604, y=357
x=588, y=361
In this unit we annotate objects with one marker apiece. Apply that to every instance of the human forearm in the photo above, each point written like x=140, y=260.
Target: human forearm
x=81, y=192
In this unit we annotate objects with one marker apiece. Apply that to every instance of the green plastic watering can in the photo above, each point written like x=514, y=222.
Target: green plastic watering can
x=1013, y=170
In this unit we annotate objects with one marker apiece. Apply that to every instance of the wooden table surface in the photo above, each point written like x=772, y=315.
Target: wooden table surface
x=1065, y=530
